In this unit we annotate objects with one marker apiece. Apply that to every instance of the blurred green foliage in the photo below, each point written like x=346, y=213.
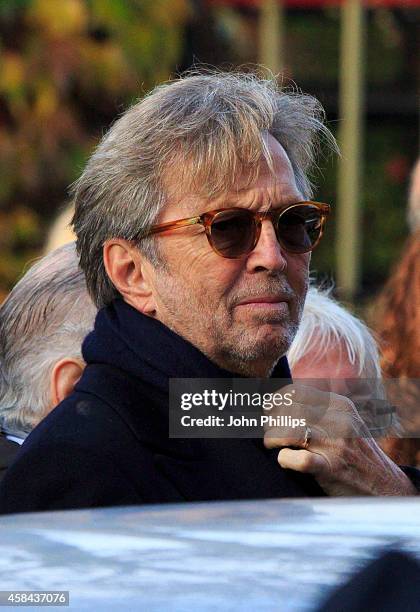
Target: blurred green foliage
x=67, y=68
x=313, y=42
x=384, y=229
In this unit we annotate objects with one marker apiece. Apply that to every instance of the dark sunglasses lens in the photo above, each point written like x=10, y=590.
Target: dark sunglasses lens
x=299, y=228
x=233, y=232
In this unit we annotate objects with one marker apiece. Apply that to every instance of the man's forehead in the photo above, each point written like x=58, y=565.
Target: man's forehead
x=274, y=186
x=276, y=193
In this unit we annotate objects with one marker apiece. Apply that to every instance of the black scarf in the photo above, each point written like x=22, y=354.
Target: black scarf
x=148, y=350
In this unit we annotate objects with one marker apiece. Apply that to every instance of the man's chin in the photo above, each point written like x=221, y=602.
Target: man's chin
x=274, y=331
x=269, y=345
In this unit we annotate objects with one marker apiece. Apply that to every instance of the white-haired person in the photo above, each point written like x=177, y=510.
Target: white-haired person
x=42, y=324
x=335, y=351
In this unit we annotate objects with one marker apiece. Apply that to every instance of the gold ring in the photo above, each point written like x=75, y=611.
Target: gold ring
x=308, y=437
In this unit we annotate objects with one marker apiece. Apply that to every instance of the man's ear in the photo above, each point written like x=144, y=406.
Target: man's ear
x=64, y=376
x=127, y=269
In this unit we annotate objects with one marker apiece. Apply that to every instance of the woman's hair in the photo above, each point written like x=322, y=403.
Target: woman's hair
x=398, y=324
x=399, y=319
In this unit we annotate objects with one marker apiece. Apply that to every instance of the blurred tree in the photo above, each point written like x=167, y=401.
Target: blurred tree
x=67, y=68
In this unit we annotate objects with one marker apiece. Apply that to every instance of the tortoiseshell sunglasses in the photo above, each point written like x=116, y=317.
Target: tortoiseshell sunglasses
x=234, y=232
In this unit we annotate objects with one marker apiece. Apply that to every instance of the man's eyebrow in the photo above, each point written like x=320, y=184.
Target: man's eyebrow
x=287, y=201
x=282, y=201
x=273, y=204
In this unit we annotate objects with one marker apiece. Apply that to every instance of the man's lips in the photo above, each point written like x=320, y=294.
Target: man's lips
x=273, y=305
x=269, y=299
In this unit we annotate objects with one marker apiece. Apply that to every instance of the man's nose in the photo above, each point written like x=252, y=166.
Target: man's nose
x=268, y=254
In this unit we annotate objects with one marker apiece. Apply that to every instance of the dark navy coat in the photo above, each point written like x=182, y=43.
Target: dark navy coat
x=107, y=444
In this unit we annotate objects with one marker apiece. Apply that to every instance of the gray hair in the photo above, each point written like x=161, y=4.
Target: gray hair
x=414, y=199
x=44, y=319
x=207, y=128
x=325, y=323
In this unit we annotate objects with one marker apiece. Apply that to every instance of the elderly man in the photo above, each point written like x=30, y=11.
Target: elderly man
x=194, y=231
x=42, y=324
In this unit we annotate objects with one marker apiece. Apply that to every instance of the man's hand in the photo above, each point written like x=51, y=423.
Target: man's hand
x=342, y=455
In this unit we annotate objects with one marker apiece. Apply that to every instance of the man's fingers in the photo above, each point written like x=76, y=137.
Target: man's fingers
x=302, y=461
x=302, y=409
x=275, y=438
x=312, y=404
